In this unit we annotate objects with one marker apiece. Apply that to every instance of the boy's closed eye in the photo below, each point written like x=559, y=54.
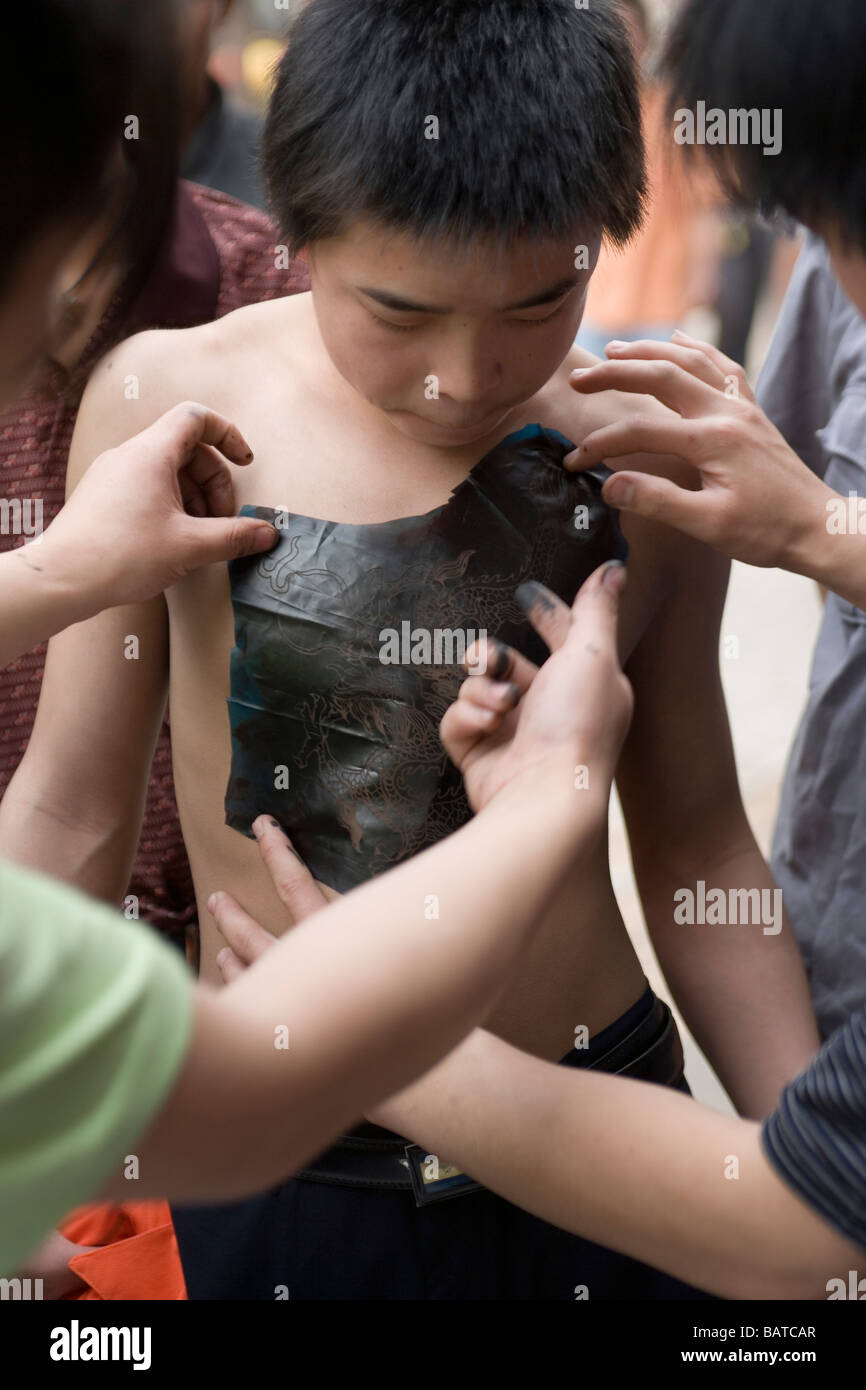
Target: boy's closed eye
x=531, y=322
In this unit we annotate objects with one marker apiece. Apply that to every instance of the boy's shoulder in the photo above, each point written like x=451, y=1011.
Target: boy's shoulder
x=152, y=371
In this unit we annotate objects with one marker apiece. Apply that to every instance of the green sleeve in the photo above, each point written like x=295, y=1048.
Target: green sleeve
x=95, y=1020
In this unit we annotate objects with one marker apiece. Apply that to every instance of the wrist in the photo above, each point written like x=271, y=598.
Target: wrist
x=812, y=550
x=557, y=799
x=833, y=551
x=47, y=579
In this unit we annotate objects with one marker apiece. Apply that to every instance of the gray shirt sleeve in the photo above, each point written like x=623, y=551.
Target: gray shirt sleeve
x=815, y=372
x=816, y=1139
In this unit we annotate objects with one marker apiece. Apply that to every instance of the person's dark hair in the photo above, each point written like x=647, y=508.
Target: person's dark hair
x=638, y=9
x=807, y=60
x=538, y=120
x=85, y=66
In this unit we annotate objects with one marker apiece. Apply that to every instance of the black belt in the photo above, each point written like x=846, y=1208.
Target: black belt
x=377, y=1159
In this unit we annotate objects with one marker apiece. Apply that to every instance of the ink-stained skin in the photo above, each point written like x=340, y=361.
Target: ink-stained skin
x=343, y=748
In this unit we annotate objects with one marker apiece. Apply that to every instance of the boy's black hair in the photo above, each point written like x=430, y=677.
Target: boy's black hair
x=538, y=120
x=89, y=65
x=809, y=61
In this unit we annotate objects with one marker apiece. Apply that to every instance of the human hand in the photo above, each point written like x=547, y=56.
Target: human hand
x=151, y=510
x=757, y=502
x=569, y=716
x=50, y=1263
x=297, y=890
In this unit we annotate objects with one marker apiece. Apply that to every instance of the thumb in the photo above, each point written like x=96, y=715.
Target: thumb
x=657, y=499
x=212, y=539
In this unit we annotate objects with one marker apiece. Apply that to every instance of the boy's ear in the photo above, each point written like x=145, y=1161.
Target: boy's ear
x=303, y=254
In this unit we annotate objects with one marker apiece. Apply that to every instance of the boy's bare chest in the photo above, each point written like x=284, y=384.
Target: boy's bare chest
x=324, y=459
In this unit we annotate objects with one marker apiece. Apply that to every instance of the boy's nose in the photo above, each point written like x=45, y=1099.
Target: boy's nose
x=471, y=380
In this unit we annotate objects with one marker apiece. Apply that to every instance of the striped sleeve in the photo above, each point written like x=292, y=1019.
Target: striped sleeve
x=816, y=1139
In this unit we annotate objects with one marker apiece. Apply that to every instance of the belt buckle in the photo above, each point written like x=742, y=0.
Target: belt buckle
x=434, y=1180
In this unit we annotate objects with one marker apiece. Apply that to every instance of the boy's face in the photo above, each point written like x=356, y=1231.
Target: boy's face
x=448, y=341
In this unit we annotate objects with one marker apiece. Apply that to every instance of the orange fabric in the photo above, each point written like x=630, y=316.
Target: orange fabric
x=655, y=278
x=138, y=1256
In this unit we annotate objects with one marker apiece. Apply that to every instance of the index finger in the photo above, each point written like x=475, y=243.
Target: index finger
x=550, y=617
x=296, y=888
x=178, y=433
x=245, y=936
x=665, y=380
x=595, y=612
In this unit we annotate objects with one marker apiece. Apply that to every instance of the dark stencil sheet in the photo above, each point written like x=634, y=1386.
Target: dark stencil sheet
x=369, y=783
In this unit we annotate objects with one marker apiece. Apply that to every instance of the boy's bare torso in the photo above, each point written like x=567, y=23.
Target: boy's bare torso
x=322, y=452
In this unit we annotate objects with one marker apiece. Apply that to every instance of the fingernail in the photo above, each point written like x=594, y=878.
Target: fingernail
x=211, y=902
x=615, y=575
x=260, y=825
x=570, y=459
x=619, y=493
x=678, y=333
x=239, y=447
x=531, y=595
x=500, y=660
x=579, y=371
x=616, y=345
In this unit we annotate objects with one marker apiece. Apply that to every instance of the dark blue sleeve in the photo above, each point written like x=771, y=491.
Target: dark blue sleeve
x=816, y=1138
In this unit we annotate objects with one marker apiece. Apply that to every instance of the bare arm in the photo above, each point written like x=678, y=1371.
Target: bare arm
x=371, y=994
x=638, y=1168
x=741, y=989
x=632, y=1166
x=75, y=804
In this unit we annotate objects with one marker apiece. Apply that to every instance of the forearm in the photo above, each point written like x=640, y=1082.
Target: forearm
x=34, y=604
x=371, y=991
x=639, y=1168
x=737, y=975
x=92, y=854
x=75, y=804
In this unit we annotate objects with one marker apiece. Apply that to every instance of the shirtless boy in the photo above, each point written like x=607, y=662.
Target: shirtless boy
x=451, y=257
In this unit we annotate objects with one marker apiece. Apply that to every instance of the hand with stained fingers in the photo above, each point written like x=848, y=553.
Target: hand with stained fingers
x=756, y=500
x=150, y=511
x=297, y=890
x=572, y=713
